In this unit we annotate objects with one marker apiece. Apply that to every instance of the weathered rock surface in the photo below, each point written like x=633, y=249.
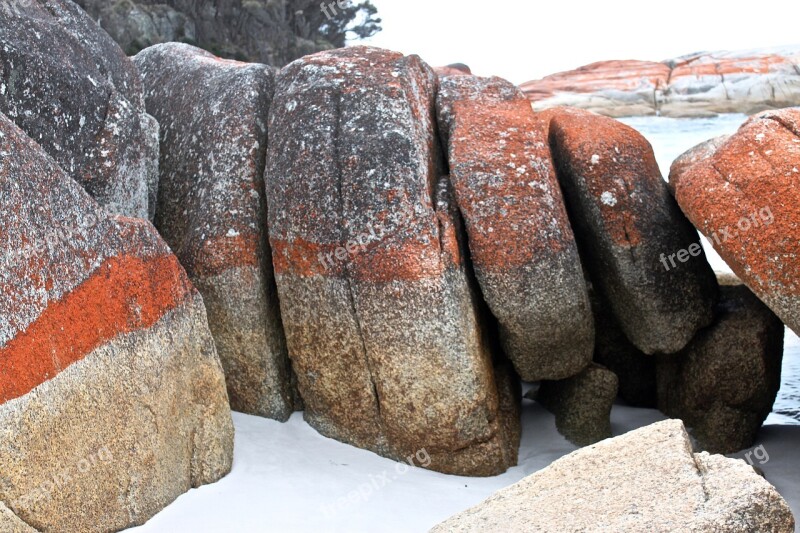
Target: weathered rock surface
x=645, y=480
x=635, y=370
x=380, y=318
x=614, y=88
x=744, y=198
x=701, y=84
x=702, y=151
x=626, y=222
x=212, y=210
x=112, y=398
x=76, y=94
x=582, y=404
x=724, y=383
x=520, y=240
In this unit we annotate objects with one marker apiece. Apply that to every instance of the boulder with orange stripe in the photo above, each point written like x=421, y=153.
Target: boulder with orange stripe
x=112, y=398
x=212, y=210
x=381, y=318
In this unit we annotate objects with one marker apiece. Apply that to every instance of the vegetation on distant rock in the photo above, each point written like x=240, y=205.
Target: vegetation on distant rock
x=266, y=31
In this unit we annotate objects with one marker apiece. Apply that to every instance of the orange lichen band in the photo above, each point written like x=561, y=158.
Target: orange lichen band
x=124, y=295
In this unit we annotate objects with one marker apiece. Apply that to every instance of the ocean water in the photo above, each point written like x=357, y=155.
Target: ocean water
x=671, y=137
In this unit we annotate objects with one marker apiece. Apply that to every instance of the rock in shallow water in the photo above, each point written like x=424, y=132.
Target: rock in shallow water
x=112, y=398
x=627, y=225
x=520, y=240
x=68, y=85
x=645, y=480
x=212, y=210
x=743, y=195
x=380, y=318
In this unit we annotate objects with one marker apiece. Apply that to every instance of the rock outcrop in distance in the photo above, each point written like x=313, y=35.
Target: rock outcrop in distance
x=645, y=480
x=699, y=84
x=112, y=398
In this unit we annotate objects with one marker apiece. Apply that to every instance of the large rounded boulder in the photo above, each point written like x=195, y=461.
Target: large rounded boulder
x=381, y=319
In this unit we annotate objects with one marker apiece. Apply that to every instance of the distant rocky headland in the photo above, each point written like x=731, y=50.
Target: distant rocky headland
x=700, y=84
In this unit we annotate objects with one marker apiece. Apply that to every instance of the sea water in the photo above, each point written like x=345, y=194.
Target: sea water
x=671, y=137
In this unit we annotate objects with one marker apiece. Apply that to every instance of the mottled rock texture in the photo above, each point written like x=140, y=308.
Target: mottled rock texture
x=582, y=404
x=743, y=196
x=379, y=313
x=212, y=210
x=724, y=383
x=645, y=480
x=112, y=398
x=520, y=240
x=703, y=84
x=68, y=85
x=626, y=222
x=635, y=370
x=696, y=154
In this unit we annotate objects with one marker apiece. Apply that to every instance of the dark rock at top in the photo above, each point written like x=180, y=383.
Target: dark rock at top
x=68, y=85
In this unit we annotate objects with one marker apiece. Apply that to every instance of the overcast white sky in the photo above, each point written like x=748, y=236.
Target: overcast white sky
x=527, y=39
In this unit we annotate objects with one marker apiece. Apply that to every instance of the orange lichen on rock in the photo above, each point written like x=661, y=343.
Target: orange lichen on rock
x=123, y=295
x=744, y=196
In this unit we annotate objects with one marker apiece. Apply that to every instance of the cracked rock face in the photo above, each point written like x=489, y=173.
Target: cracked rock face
x=520, y=240
x=68, y=85
x=609, y=487
x=743, y=195
x=723, y=384
x=627, y=223
x=212, y=210
x=380, y=316
x=112, y=398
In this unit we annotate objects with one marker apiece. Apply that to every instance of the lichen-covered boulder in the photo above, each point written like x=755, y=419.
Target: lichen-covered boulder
x=379, y=313
x=743, y=194
x=628, y=227
x=112, y=398
x=520, y=240
x=645, y=480
x=723, y=384
x=212, y=210
x=68, y=85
